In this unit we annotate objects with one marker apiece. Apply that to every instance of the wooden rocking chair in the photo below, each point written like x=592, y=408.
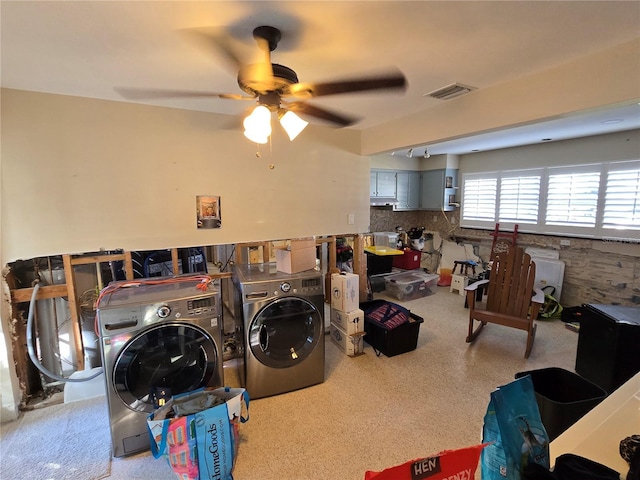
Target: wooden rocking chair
x=512, y=300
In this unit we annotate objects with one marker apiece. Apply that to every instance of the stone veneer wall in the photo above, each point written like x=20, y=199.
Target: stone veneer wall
x=595, y=271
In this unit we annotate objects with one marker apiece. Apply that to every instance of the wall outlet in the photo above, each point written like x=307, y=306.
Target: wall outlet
x=565, y=243
x=351, y=218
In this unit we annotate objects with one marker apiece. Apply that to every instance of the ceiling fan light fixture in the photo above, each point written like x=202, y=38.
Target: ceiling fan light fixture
x=255, y=138
x=291, y=123
x=257, y=125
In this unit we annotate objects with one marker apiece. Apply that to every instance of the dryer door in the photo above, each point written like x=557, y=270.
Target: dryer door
x=178, y=357
x=285, y=332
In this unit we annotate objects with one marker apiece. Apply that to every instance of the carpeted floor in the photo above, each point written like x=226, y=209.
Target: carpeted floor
x=59, y=442
x=371, y=412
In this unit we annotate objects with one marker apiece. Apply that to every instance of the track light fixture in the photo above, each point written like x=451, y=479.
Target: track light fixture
x=426, y=152
x=410, y=153
x=257, y=125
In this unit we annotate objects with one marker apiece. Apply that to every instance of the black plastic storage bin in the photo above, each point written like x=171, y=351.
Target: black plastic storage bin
x=390, y=341
x=563, y=397
x=378, y=264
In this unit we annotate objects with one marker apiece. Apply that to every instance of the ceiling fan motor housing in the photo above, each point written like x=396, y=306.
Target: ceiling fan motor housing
x=282, y=78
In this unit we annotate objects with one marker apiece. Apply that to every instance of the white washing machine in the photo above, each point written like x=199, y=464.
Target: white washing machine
x=158, y=336
x=282, y=327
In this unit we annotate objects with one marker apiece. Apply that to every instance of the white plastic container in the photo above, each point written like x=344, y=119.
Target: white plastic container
x=385, y=239
x=410, y=285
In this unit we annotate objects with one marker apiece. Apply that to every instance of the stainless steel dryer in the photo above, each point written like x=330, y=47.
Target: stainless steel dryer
x=282, y=327
x=159, y=335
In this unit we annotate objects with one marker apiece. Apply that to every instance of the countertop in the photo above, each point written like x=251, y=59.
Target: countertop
x=597, y=435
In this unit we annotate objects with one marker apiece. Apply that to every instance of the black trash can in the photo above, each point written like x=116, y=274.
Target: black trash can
x=563, y=397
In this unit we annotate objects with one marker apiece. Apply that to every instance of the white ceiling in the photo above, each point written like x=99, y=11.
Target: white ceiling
x=89, y=48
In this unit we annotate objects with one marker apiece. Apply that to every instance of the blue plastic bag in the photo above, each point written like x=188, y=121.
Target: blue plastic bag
x=514, y=428
x=197, y=432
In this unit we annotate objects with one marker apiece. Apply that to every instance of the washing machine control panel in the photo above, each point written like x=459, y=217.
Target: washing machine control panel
x=196, y=307
x=312, y=286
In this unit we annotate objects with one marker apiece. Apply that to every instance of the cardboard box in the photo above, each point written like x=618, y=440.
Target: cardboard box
x=350, y=322
x=352, y=345
x=345, y=291
x=302, y=243
x=410, y=285
x=300, y=256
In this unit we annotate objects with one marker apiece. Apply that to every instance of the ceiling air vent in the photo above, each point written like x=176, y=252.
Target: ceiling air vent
x=450, y=91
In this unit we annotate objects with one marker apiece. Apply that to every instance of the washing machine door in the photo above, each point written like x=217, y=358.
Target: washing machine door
x=177, y=357
x=285, y=332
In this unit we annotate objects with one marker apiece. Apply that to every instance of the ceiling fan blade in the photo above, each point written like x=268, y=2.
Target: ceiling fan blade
x=389, y=81
x=215, y=41
x=147, y=93
x=322, y=113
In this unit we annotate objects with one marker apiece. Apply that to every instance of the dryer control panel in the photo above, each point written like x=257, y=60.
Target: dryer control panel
x=311, y=286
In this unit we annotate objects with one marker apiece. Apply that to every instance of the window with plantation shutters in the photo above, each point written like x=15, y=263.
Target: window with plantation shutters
x=520, y=197
x=598, y=200
x=572, y=197
x=479, y=198
x=622, y=197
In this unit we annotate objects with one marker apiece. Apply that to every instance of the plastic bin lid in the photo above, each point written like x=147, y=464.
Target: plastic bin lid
x=411, y=277
x=381, y=250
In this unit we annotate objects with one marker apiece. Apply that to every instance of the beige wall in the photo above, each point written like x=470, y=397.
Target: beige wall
x=81, y=174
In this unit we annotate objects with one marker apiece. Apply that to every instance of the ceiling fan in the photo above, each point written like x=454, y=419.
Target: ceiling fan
x=276, y=87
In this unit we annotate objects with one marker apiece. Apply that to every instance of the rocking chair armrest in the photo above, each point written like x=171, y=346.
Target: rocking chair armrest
x=474, y=286
x=538, y=297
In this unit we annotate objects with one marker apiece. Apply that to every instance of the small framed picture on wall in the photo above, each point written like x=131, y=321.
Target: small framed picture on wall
x=208, y=211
